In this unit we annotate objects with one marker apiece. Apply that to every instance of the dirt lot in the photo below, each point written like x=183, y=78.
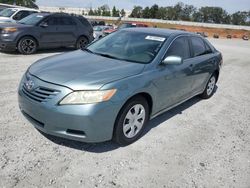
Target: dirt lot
x=223, y=33
x=202, y=143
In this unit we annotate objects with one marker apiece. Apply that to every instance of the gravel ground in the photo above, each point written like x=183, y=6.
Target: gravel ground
x=202, y=143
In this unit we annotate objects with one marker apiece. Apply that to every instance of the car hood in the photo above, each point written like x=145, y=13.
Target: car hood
x=81, y=70
x=5, y=19
x=13, y=24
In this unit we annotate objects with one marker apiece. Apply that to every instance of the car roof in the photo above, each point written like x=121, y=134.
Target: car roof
x=158, y=31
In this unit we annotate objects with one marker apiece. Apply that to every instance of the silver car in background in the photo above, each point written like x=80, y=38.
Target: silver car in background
x=99, y=31
x=12, y=15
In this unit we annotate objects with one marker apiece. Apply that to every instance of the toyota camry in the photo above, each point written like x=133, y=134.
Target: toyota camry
x=113, y=87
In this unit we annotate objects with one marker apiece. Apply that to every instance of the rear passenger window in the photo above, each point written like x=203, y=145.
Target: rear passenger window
x=198, y=46
x=180, y=47
x=66, y=21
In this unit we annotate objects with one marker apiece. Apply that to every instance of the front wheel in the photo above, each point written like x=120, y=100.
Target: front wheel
x=27, y=45
x=210, y=87
x=131, y=121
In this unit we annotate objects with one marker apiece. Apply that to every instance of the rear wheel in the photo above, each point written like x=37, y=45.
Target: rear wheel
x=131, y=121
x=81, y=42
x=27, y=45
x=210, y=87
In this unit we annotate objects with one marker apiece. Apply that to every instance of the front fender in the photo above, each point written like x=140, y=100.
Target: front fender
x=131, y=86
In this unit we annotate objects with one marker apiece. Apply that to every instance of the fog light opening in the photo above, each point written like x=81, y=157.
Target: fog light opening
x=75, y=132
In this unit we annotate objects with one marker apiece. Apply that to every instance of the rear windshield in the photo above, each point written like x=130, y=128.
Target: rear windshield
x=84, y=21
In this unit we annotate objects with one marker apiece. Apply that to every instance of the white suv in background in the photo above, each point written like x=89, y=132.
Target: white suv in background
x=11, y=15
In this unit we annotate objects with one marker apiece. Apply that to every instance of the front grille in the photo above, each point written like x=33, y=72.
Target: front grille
x=40, y=94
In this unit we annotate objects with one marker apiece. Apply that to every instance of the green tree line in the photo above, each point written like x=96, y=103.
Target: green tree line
x=185, y=12
x=105, y=11
x=25, y=3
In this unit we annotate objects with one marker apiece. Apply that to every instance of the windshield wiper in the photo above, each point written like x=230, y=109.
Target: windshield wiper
x=107, y=55
x=87, y=50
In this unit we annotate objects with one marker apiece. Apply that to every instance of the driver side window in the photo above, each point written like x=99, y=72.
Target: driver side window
x=180, y=48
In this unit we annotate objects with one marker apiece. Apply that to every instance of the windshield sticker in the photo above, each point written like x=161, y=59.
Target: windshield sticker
x=161, y=39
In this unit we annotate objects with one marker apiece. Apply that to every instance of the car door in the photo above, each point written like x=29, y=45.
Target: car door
x=175, y=80
x=49, y=33
x=66, y=30
x=203, y=61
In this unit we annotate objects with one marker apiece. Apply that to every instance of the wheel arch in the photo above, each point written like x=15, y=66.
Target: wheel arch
x=145, y=95
x=83, y=36
x=20, y=38
x=217, y=73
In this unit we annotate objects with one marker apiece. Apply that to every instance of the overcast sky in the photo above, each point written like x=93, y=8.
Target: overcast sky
x=229, y=5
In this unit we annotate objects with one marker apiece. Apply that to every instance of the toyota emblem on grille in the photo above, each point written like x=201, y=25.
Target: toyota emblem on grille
x=29, y=84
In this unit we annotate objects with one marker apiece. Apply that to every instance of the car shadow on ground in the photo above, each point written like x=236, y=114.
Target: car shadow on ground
x=109, y=145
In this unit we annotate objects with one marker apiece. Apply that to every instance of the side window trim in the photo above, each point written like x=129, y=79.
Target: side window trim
x=191, y=49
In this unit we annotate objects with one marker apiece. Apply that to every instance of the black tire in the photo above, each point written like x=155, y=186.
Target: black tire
x=81, y=42
x=122, y=121
x=27, y=45
x=210, y=87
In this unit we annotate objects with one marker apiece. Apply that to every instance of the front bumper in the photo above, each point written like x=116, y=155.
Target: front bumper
x=7, y=46
x=86, y=123
x=8, y=42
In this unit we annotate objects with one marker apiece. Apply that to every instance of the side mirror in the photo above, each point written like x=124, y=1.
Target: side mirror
x=172, y=60
x=44, y=25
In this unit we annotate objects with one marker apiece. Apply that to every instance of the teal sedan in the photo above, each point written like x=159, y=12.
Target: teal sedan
x=113, y=87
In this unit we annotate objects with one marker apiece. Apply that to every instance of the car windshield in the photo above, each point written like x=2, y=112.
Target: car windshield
x=130, y=46
x=32, y=19
x=7, y=12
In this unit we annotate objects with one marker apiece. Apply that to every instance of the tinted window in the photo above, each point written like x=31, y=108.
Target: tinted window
x=198, y=46
x=52, y=21
x=180, y=47
x=84, y=21
x=66, y=21
x=208, y=48
x=21, y=14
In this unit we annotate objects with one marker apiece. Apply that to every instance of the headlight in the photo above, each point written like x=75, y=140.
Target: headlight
x=94, y=35
x=9, y=30
x=87, y=97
